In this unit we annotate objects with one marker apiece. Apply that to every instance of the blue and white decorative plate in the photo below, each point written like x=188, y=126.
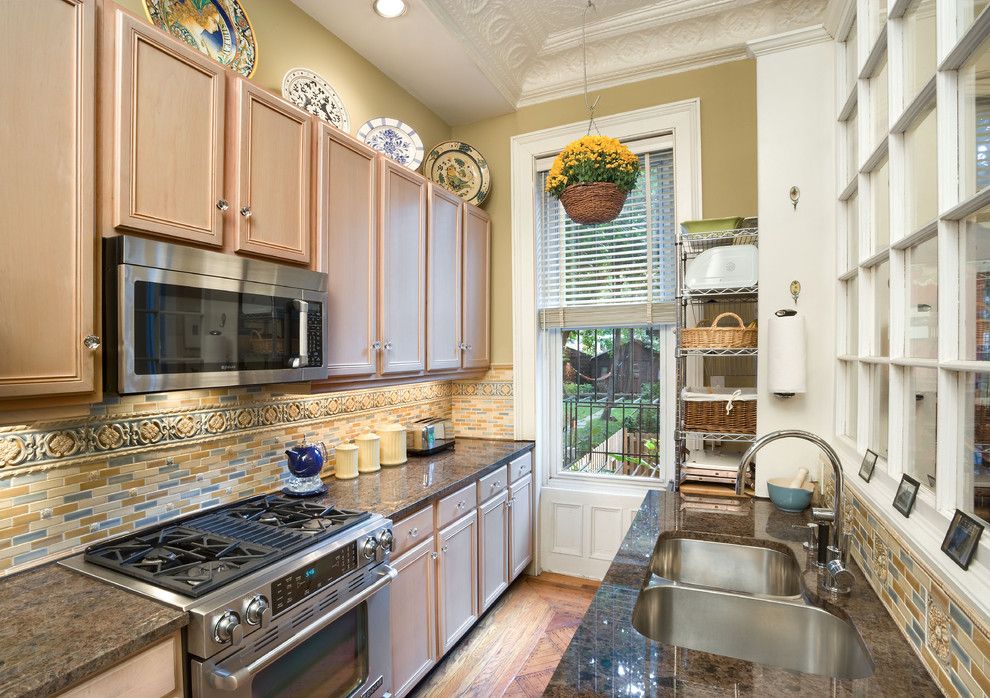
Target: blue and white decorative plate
x=459, y=168
x=311, y=93
x=219, y=28
x=393, y=138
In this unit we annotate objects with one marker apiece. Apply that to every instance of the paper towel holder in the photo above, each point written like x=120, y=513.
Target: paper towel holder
x=788, y=312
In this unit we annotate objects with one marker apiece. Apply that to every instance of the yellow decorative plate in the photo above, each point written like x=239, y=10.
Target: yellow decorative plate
x=219, y=28
x=459, y=168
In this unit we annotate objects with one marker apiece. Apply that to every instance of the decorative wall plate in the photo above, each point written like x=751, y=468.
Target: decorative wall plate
x=312, y=93
x=395, y=139
x=459, y=168
x=219, y=28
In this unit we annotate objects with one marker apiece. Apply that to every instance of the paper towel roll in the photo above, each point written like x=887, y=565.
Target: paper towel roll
x=787, y=355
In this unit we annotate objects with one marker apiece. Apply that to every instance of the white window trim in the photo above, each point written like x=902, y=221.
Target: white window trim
x=680, y=119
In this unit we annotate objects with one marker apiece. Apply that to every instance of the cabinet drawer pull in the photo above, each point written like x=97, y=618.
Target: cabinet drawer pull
x=413, y=532
x=246, y=211
x=377, y=346
x=496, y=485
x=460, y=504
x=443, y=549
x=433, y=556
x=222, y=204
x=388, y=346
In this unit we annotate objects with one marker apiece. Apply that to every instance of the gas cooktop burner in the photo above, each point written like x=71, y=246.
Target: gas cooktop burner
x=205, y=551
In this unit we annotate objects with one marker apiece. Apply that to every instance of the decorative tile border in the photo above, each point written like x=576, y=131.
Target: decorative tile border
x=482, y=389
x=60, y=443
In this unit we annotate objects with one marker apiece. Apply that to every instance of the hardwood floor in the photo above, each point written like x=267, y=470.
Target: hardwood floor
x=515, y=648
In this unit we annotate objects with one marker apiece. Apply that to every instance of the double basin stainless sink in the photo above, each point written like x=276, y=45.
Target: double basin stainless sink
x=744, y=601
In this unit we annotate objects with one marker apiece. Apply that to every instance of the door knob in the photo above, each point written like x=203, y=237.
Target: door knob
x=222, y=204
x=388, y=346
x=377, y=346
x=246, y=211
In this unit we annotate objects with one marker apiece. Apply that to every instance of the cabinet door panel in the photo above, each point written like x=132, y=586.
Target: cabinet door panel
x=169, y=163
x=493, y=572
x=477, y=288
x=443, y=281
x=47, y=269
x=458, y=592
x=413, y=616
x=347, y=235
x=274, y=162
x=520, y=526
x=403, y=269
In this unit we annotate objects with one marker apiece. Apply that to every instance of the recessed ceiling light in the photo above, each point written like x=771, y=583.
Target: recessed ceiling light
x=389, y=9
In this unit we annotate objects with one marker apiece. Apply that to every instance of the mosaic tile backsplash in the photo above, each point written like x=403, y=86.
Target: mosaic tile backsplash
x=139, y=460
x=951, y=642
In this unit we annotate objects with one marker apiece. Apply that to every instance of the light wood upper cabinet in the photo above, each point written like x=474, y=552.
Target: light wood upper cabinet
x=520, y=525
x=458, y=579
x=272, y=142
x=443, y=281
x=169, y=136
x=347, y=244
x=413, y=616
x=493, y=568
x=48, y=265
x=402, y=269
x=477, y=288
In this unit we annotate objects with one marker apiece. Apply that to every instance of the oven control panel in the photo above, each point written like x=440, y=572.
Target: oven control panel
x=301, y=583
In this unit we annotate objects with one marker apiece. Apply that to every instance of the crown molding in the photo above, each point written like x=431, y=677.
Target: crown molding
x=797, y=38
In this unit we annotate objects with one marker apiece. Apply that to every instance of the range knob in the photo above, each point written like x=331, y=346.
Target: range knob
x=386, y=541
x=256, y=608
x=370, y=547
x=228, y=628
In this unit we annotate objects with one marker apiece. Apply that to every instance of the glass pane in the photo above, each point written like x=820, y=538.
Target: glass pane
x=613, y=401
x=852, y=231
x=852, y=317
x=966, y=12
x=975, y=485
x=921, y=448
x=880, y=405
x=879, y=203
x=922, y=174
x=919, y=46
x=974, y=288
x=852, y=61
x=974, y=122
x=852, y=147
x=852, y=398
x=881, y=309
x=922, y=306
x=878, y=106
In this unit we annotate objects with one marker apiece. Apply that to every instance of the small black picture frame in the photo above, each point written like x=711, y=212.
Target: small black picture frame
x=962, y=539
x=869, y=463
x=907, y=492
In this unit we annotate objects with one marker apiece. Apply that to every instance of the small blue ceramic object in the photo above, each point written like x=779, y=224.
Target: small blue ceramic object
x=787, y=498
x=305, y=464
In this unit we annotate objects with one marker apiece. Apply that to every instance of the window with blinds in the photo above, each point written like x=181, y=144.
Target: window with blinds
x=619, y=273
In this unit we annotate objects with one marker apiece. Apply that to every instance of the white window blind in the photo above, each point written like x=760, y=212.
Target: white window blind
x=612, y=274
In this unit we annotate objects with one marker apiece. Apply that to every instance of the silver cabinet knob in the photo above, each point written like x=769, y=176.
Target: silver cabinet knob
x=92, y=342
x=433, y=556
x=377, y=346
x=388, y=346
x=443, y=549
x=468, y=347
x=246, y=211
x=222, y=204
x=460, y=504
x=413, y=532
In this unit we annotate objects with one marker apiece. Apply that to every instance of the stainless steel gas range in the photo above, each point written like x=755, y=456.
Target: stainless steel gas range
x=286, y=597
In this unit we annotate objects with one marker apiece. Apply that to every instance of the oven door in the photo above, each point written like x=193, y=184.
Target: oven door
x=180, y=330
x=343, y=653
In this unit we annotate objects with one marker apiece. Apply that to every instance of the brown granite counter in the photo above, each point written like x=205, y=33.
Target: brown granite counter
x=60, y=627
x=609, y=657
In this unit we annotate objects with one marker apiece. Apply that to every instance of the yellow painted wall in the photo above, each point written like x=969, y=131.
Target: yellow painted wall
x=728, y=156
x=289, y=38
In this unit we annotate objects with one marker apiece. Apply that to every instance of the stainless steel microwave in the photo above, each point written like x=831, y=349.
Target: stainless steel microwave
x=178, y=317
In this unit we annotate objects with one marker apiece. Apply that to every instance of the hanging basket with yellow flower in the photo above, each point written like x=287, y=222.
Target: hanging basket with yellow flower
x=592, y=177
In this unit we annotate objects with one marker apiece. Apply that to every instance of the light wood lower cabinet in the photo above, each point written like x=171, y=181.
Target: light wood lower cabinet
x=493, y=549
x=458, y=575
x=413, y=616
x=520, y=537
x=153, y=673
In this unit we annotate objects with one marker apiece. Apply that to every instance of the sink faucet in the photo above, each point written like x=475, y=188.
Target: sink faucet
x=837, y=577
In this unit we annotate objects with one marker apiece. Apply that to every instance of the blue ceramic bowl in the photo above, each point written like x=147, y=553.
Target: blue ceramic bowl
x=790, y=499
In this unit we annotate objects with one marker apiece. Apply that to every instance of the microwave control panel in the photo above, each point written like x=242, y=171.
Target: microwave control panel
x=314, y=333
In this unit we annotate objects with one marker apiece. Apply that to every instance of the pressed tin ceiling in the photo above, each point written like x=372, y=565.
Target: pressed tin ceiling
x=471, y=59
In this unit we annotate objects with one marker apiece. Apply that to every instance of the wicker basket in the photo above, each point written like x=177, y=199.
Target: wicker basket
x=707, y=410
x=598, y=202
x=715, y=337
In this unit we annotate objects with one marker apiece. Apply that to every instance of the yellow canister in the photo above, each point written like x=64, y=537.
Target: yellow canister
x=393, y=444
x=346, y=463
x=369, y=453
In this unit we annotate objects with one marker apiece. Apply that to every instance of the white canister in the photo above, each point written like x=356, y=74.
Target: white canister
x=393, y=444
x=346, y=463
x=369, y=453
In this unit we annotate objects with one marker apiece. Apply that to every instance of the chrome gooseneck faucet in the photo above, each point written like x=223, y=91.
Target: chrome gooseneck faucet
x=838, y=578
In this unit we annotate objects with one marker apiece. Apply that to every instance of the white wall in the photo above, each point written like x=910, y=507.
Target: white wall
x=796, y=147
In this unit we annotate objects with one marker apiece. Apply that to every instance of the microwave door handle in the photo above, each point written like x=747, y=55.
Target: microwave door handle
x=301, y=361
x=224, y=680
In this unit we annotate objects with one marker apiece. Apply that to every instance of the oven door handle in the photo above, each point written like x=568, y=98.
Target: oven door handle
x=301, y=361
x=224, y=680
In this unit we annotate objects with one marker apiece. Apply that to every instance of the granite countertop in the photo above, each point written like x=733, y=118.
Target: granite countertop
x=608, y=657
x=60, y=626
